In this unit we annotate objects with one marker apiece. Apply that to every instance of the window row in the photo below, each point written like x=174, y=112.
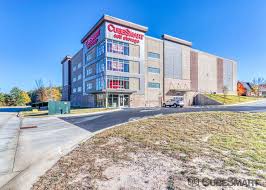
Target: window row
x=77, y=66
x=95, y=52
x=114, y=46
x=117, y=82
x=91, y=70
x=153, y=55
x=76, y=79
x=79, y=89
x=97, y=84
x=114, y=64
x=153, y=70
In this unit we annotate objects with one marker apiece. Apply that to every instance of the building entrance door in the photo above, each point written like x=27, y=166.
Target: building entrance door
x=118, y=100
x=121, y=100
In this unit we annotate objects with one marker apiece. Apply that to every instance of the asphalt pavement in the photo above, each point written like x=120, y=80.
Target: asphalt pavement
x=100, y=121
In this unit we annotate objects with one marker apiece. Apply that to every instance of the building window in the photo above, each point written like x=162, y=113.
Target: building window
x=88, y=71
x=79, y=65
x=153, y=55
x=117, y=82
x=100, y=49
x=114, y=46
x=90, y=55
x=114, y=64
x=79, y=89
x=74, y=79
x=100, y=83
x=74, y=90
x=100, y=66
x=89, y=86
x=74, y=68
x=153, y=85
x=79, y=76
x=153, y=70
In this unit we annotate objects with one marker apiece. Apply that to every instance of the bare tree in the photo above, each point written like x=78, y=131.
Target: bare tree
x=41, y=91
x=258, y=82
x=225, y=92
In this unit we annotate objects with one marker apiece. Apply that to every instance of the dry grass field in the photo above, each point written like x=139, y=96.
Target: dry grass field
x=163, y=152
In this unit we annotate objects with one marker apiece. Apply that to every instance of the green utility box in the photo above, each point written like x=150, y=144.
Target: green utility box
x=58, y=107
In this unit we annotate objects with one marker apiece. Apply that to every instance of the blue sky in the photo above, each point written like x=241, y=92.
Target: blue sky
x=36, y=35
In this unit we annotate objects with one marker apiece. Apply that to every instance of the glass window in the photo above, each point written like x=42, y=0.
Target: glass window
x=79, y=65
x=153, y=70
x=153, y=85
x=74, y=79
x=88, y=85
x=100, y=66
x=116, y=82
x=114, y=46
x=79, y=76
x=153, y=55
x=100, y=49
x=126, y=67
x=74, y=90
x=114, y=64
x=100, y=83
x=109, y=45
x=74, y=68
x=126, y=49
x=90, y=55
x=109, y=63
x=88, y=71
x=79, y=89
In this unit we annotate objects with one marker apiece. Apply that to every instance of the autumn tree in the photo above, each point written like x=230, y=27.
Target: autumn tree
x=25, y=97
x=2, y=99
x=54, y=93
x=41, y=91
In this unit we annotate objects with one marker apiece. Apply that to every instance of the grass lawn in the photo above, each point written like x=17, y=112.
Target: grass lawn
x=162, y=152
x=36, y=113
x=231, y=99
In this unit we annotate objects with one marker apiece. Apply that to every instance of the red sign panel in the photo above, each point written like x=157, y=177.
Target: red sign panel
x=125, y=34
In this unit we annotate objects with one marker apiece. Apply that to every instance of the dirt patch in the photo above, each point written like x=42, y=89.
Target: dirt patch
x=164, y=152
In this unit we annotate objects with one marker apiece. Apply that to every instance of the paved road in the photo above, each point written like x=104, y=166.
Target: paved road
x=97, y=122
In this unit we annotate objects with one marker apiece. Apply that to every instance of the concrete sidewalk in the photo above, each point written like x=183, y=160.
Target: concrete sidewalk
x=9, y=133
x=38, y=149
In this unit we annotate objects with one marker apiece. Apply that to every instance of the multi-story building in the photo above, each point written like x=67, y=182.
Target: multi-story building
x=120, y=66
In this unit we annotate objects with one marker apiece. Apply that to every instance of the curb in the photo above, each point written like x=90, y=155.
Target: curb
x=228, y=105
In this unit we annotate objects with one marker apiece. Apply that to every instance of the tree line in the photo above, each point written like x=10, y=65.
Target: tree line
x=42, y=93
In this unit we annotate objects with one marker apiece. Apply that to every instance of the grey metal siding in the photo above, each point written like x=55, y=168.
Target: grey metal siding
x=173, y=60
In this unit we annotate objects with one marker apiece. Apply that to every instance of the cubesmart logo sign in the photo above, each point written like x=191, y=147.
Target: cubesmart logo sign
x=125, y=34
x=93, y=39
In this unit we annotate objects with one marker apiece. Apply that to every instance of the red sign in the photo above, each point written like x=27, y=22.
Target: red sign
x=125, y=34
x=93, y=39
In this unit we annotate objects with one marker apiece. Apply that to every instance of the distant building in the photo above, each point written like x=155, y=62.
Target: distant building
x=120, y=66
x=262, y=90
x=245, y=89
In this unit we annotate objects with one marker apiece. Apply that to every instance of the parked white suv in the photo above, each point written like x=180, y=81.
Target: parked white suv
x=176, y=101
